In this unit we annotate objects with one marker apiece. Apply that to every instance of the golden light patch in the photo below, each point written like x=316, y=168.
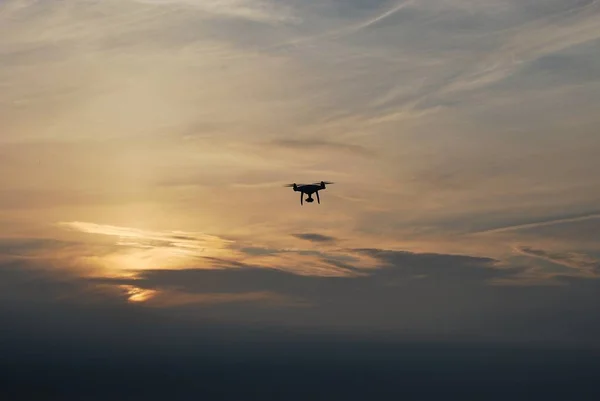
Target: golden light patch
x=136, y=294
x=145, y=238
x=137, y=250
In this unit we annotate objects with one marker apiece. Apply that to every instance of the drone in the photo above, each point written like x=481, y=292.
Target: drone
x=309, y=189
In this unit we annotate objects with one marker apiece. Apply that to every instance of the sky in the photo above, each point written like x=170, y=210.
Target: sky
x=145, y=145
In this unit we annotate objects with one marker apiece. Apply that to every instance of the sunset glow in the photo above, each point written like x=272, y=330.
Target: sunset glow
x=145, y=147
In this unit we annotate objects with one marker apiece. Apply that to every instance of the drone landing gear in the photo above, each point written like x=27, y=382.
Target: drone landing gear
x=310, y=199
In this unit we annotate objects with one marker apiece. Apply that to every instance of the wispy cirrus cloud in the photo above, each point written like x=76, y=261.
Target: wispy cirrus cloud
x=576, y=23
x=264, y=11
x=128, y=236
x=586, y=265
x=543, y=223
x=176, y=243
x=321, y=145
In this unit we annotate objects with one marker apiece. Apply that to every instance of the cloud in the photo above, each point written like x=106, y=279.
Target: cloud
x=460, y=290
x=170, y=298
x=352, y=27
x=440, y=266
x=186, y=243
x=16, y=246
x=321, y=145
x=44, y=281
x=576, y=23
x=118, y=251
x=253, y=10
x=295, y=261
x=257, y=251
x=313, y=237
x=380, y=17
x=408, y=295
x=134, y=250
x=55, y=325
x=543, y=223
x=582, y=263
x=559, y=231
x=394, y=268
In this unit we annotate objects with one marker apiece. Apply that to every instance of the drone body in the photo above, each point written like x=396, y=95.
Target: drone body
x=309, y=189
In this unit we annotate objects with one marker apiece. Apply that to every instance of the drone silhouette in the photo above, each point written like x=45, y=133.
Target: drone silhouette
x=309, y=189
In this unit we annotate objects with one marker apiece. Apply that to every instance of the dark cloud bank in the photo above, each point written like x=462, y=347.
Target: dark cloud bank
x=423, y=326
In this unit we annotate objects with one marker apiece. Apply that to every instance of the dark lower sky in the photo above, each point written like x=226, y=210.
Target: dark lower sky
x=484, y=343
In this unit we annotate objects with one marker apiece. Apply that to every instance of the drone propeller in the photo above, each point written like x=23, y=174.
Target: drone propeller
x=324, y=182
x=289, y=185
